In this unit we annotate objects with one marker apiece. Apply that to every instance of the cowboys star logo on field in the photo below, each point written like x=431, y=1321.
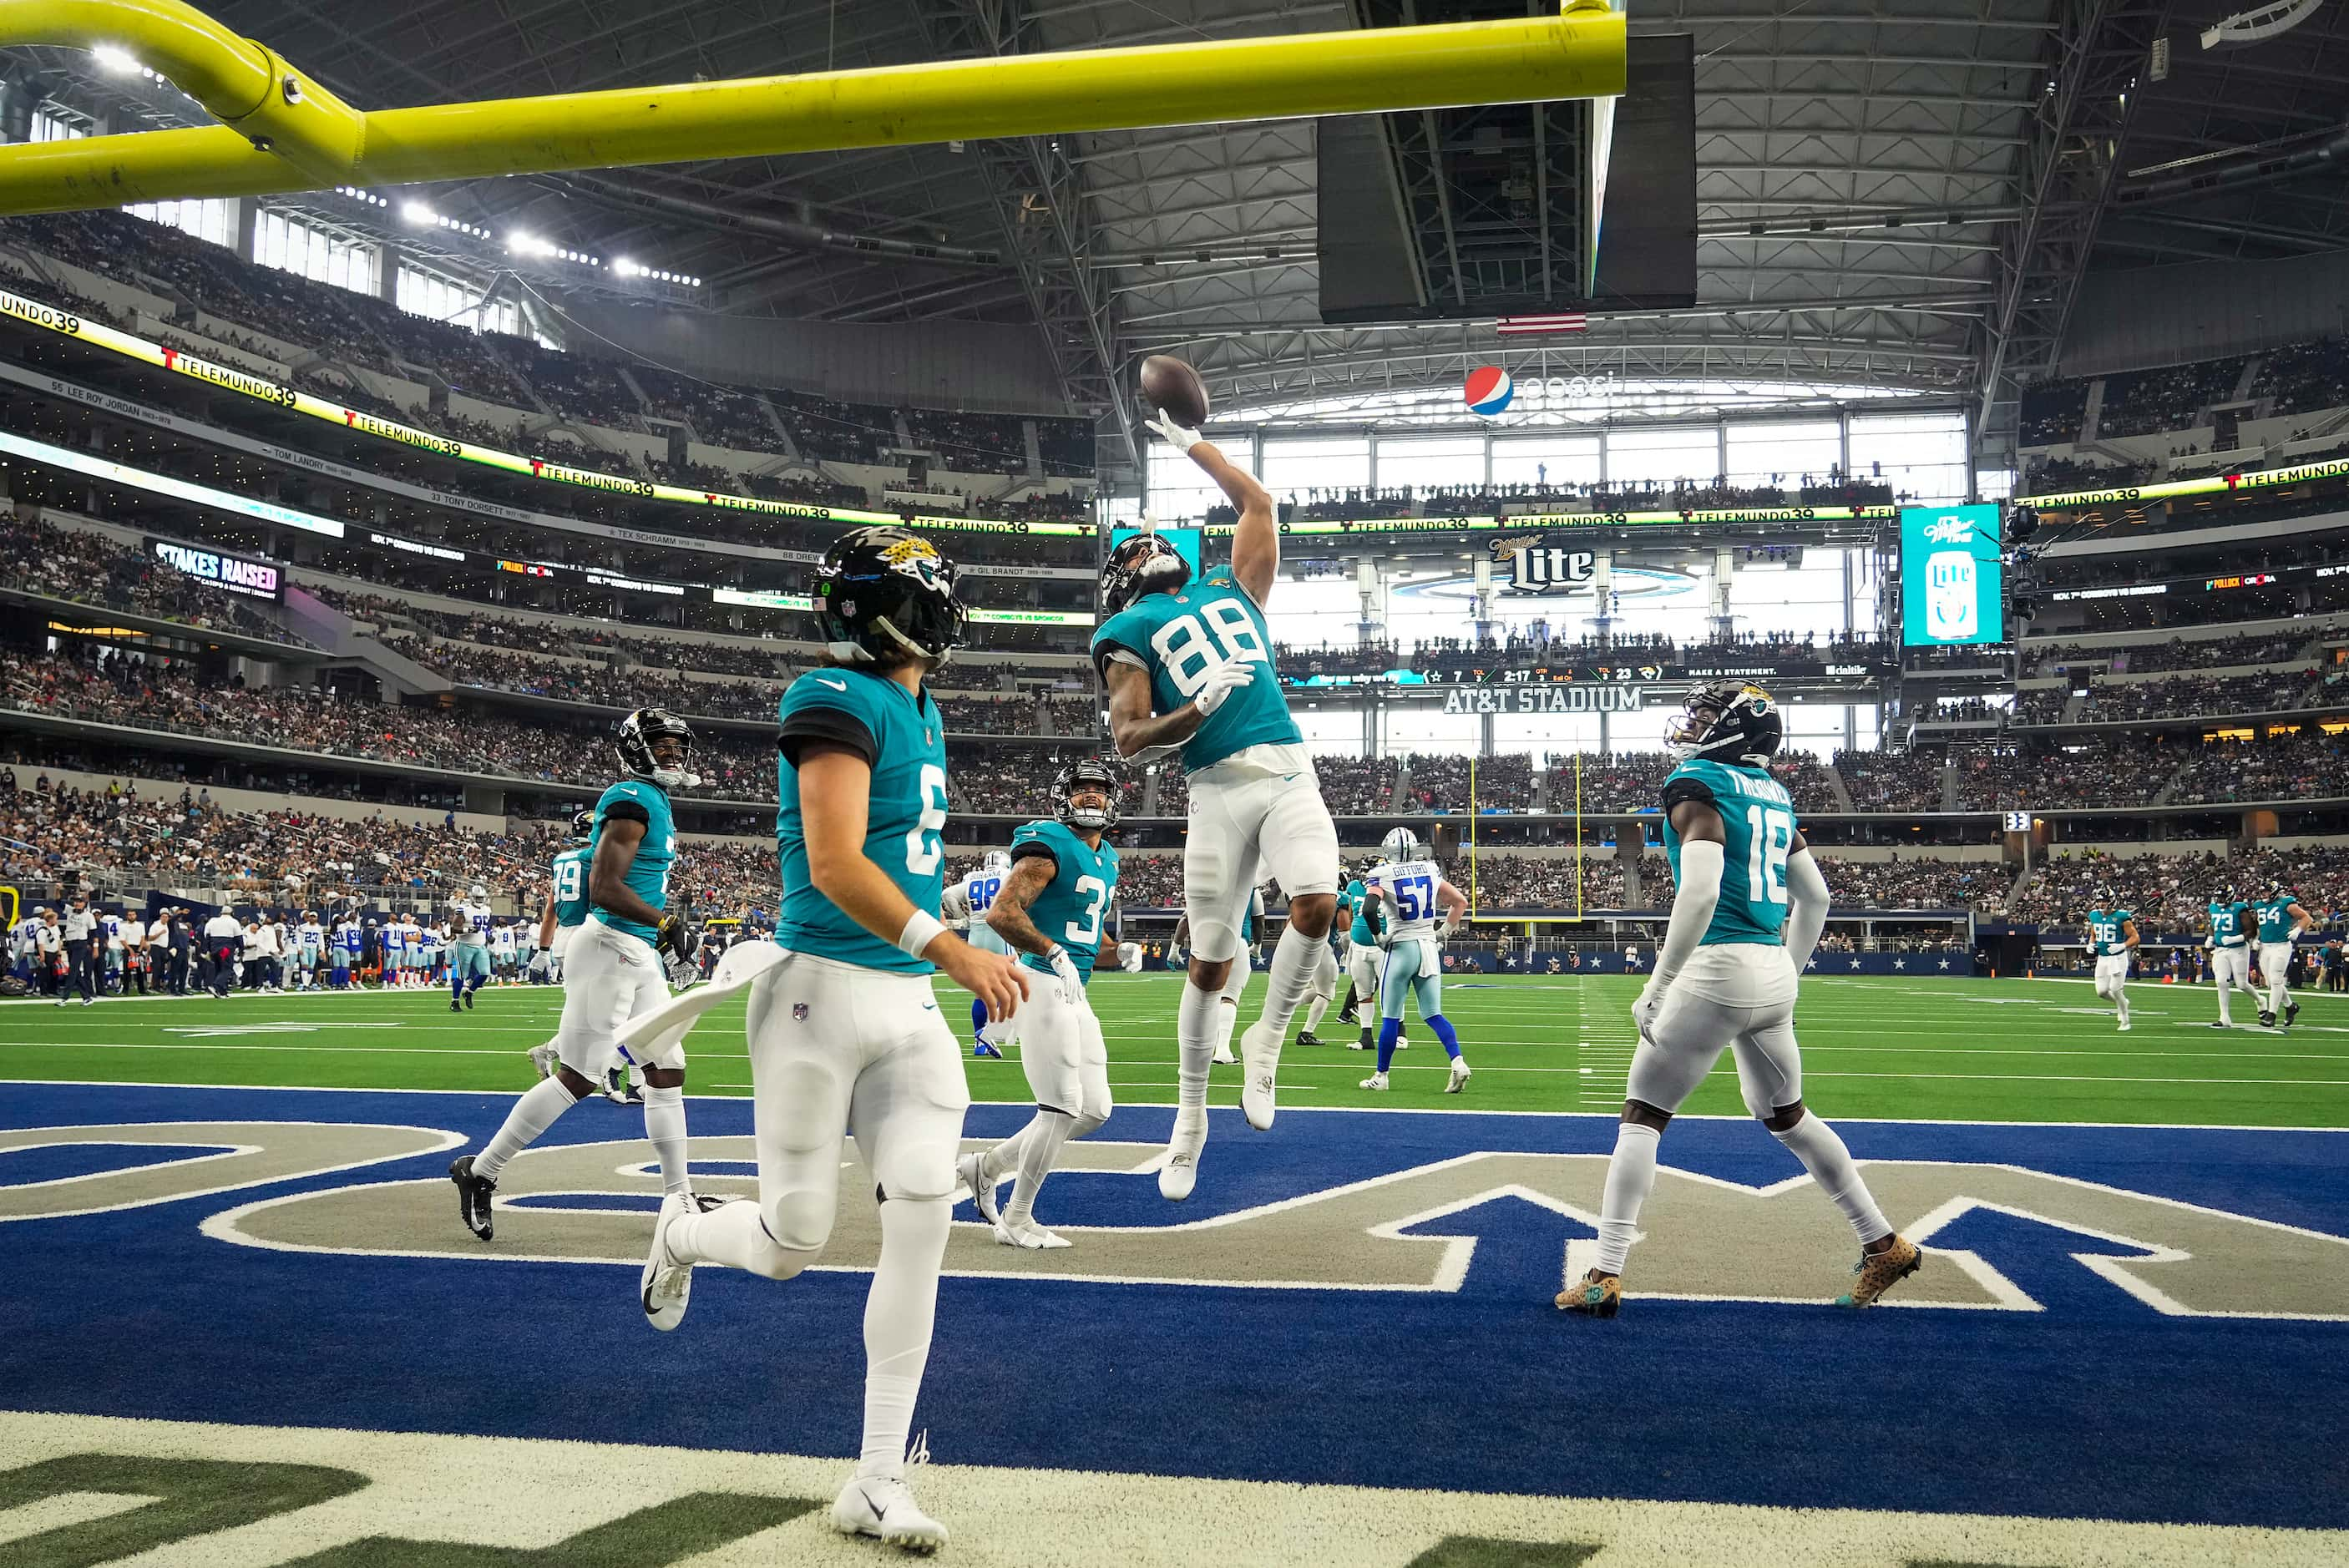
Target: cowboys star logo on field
x=1489, y=390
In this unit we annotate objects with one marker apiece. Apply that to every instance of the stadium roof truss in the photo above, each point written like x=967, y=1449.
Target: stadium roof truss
x=1892, y=194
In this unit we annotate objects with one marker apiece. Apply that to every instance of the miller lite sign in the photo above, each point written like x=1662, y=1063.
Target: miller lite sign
x=1536, y=567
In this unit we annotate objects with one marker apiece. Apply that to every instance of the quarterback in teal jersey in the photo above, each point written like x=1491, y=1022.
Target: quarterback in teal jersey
x=2227, y=927
x=1188, y=667
x=1748, y=904
x=2280, y=921
x=614, y=968
x=1051, y=912
x=2112, y=938
x=845, y=1031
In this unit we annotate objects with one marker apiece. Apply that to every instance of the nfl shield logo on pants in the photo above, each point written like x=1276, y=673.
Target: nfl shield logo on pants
x=799, y=1012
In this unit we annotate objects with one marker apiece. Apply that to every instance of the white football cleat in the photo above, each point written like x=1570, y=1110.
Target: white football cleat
x=666, y=1283
x=1260, y=1054
x=1028, y=1236
x=1182, y=1168
x=1459, y=1079
x=2125, y=1028
x=1375, y=1081
x=982, y=1190
x=883, y=1509
x=1222, y=1056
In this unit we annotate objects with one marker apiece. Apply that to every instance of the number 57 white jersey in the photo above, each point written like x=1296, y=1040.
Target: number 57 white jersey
x=1412, y=885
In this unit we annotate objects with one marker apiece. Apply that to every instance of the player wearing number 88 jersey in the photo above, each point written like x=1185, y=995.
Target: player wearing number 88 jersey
x=1747, y=908
x=1189, y=668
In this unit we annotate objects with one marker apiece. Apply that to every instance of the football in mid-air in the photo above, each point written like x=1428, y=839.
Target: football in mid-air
x=1172, y=387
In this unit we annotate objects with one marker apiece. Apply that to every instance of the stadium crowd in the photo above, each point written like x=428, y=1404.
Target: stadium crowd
x=38, y=556
x=2172, y=893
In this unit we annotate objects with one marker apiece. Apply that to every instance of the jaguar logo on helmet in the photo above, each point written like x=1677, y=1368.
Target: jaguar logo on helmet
x=884, y=592
x=1727, y=721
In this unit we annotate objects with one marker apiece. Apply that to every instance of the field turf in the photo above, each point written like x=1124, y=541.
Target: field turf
x=2005, y=1050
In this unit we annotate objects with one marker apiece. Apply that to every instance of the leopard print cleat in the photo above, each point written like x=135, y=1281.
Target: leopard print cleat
x=1880, y=1271
x=1595, y=1295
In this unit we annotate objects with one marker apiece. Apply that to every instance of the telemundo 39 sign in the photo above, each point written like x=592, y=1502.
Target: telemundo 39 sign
x=1953, y=591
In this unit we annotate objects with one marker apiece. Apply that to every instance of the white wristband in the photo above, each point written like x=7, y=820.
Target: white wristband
x=1055, y=952
x=921, y=930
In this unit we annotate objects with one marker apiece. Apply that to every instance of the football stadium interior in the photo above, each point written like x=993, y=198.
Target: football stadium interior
x=1780, y=540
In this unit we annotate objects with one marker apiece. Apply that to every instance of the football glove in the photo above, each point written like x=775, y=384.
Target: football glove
x=1176, y=437
x=1221, y=682
x=540, y=961
x=1644, y=1010
x=1066, y=968
x=677, y=939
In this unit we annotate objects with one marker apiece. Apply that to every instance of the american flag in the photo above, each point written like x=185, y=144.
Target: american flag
x=1528, y=326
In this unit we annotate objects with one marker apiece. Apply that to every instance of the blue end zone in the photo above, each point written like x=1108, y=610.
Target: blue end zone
x=2098, y=1406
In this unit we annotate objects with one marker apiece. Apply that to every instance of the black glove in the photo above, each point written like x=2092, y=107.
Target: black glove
x=679, y=938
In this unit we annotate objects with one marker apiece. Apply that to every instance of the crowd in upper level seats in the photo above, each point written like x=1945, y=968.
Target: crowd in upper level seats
x=1892, y=781
x=2176, y=654
x=37, y=557
x=2300, y=377
x=2145, y=401
x=1535, y=646
x=2185, y=696
x=2305, y=376
x=370, y=332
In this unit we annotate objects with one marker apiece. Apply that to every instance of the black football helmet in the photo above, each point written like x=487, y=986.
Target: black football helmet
x=1727, y=721
x=637, y=733
x=885, y=592
x=1147, y=564
x=1091, y=773
x=583, y=825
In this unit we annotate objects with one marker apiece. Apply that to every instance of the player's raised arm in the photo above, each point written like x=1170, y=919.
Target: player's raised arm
x=836, y=798
x=1256, y=543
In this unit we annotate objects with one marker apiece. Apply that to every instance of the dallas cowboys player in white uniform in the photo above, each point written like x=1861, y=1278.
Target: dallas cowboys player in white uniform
x=964, y=907
x=1421, y=910
x=1188, y=667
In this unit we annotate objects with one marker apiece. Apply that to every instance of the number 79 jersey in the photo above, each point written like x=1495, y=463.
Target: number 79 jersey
x=1413, y=885
x=1178, y=639
x=903, y=740
x=1757, y=819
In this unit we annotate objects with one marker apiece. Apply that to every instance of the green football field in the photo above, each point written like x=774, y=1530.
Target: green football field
x=2006, y=1050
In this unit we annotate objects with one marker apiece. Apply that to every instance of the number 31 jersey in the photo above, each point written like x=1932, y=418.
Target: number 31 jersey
x=1072, y=905
x=1757, y=819
x=1179, y=639
x=901, y=737
x=1413, y=885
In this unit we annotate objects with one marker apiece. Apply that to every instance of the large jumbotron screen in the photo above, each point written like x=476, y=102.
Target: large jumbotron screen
x=1953, y=586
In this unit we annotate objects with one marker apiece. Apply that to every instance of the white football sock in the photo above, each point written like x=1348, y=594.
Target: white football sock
x=1039, y=1147
x=1004, y=1156
x=1821, y=1149
x=2276, y=995
x=2120, y=1002
x=1227, y=1017
x=2224, y=1016
x=900, y=1311
x=1313, y=1013
x=665, y=1127
x=1195, y=1045
x=734, y=1236
x=533, y=1114
x=1295, y=959
x=1630, y=1177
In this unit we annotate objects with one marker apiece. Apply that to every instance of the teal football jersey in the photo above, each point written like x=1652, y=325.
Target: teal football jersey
x=904, y=741
x=2104, y=933
x=1757, y=819
x=1179, y=638
x=2276, y=923
x=1071, y=909
x=571, y=887
x=2228, y=922
x=1351, y=901
x=647, y=875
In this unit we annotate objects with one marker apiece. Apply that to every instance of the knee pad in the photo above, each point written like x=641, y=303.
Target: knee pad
x=1757, y=1107
x=670, y=1056
x=799, y=1223
x=1091, y=1119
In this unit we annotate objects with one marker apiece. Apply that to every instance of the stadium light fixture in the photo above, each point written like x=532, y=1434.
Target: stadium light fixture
x=417, y=213
x=114, y=58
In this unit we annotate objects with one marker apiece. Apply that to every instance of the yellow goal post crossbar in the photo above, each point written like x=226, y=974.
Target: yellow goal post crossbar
x=280, y=131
